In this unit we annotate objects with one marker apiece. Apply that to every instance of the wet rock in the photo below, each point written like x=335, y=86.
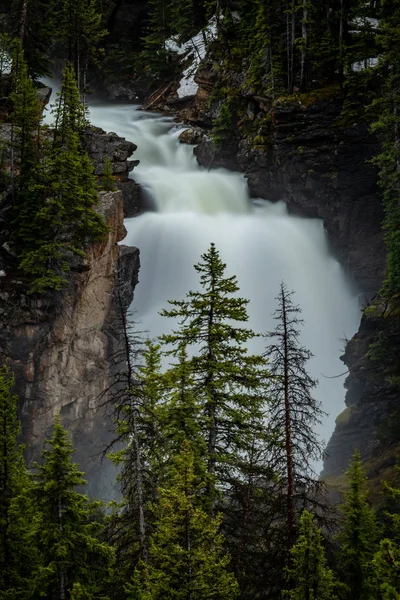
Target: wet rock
x=192, y=135
x=321, y=170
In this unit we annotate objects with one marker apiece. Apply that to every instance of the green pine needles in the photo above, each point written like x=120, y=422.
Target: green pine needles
x=56, y=190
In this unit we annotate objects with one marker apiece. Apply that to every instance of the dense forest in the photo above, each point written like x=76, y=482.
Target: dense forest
x=217, y=452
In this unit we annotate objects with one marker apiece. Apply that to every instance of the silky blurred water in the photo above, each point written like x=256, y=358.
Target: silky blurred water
x=260, y=243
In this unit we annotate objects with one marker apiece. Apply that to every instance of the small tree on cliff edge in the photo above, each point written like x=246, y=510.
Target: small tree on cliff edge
x=293, y=410
x=73, y=557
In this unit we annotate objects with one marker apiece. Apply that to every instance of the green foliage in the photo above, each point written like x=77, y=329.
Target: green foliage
x=223, y=124
x=57, y=214
x=76, y=564
x=387, y=161
x=186, y=556
x=107, y=181
x=81, y=30
x=309, y=576
x=357, y=537
x=18, y=513
x=226, y=377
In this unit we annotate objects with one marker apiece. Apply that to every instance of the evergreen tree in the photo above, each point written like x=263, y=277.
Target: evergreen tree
x=142, y=457
x=225, y=376
x=293, y=410
x=388, y=128
x=35, y=24
x=26, y=118
x=75, y=559
x=18, y=514
x=107, y=181
x=82, y=32
x=309, y=576
x=186, y=557
x=182, y=412
x=66, y=220
x=357, y=537
x=387, y=556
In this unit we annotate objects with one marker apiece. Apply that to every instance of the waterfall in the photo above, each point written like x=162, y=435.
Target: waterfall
x=259, y=241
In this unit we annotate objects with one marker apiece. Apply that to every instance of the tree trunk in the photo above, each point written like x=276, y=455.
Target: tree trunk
x=22, y=20
x=139, y=485
x=304, y=43
x=288, y=431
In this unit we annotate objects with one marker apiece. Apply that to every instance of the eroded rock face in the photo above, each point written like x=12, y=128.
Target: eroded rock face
x=63, y=362
x=371, y=399
x=66, y=348
x=321, y=170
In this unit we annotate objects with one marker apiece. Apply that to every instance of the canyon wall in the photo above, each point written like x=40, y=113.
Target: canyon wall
x=65, y=348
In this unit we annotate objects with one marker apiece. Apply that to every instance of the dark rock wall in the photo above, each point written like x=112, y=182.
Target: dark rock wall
x=321, y=170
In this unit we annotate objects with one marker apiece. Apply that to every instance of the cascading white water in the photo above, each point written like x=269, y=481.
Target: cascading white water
x=259, y=241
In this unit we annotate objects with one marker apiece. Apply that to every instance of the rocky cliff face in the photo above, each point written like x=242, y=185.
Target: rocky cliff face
x=371, y=419
x=65, y=349
x=321, y=169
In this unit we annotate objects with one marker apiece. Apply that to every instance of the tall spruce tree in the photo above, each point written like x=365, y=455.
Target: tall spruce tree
x=74, y=557
x=141, y=457
x=82, y=31
x=293, y=411
x=186, y=556
x=309, y=576
x=358, y=537
x=388, y=128
x=225, y=376
x=19, y=519
x=66, y=220
x=387, y=557
x=26, y=119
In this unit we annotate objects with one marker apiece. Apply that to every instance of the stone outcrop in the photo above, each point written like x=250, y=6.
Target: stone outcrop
x=372, y=413
x=66, y=348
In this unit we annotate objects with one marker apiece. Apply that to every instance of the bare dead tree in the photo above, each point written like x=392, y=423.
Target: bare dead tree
x=294, y=412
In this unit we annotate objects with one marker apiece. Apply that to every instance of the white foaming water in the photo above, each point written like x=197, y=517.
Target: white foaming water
x=261, y=244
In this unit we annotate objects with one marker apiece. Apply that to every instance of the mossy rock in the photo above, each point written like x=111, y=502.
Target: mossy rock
x=343, y=419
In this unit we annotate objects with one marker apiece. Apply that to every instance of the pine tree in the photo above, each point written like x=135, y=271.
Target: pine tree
x=107, y=181
x=74, y=557
x=35, y=24
x=387, y=557
x=309, y=576
x=226, y=377
x=142, y=457
x=293, y=411
x=186, y=557
x=82, y=31
x=388, y=128
x=357, y=537
x=18, y=515
x=182, y=412
x=26, y=119
x=66, y=220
